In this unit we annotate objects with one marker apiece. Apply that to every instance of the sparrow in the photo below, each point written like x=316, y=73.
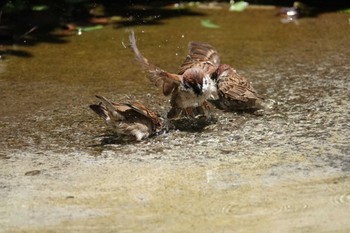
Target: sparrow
x=189, y=89
x=233, y=91
x=132, y=120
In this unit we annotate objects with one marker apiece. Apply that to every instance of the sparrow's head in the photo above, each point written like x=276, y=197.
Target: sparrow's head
x=193, y=80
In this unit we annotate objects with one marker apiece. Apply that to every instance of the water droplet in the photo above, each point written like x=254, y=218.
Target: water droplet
x=209, y=174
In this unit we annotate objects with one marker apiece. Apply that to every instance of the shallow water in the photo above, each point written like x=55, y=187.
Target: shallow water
x=285, y=171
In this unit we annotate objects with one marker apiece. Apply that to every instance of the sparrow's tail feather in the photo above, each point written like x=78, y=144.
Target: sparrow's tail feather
x=106, y=103
x=99, y=110
x=111, y=110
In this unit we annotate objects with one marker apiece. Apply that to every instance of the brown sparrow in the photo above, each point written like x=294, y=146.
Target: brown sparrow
x=189, y=89
x=234, y=92
x=128, y=119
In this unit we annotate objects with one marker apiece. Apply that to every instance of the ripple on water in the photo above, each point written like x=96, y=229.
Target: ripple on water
x=249, y=210
x=341, y=199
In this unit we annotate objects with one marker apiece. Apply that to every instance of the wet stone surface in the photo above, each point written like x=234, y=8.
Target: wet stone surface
x=284, y=171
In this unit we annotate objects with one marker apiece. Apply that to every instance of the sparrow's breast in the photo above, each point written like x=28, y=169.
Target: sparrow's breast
x=186, y=99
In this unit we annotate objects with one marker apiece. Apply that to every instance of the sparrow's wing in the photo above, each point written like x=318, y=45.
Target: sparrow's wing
x=236, y=87
x=138, y=107
x=165, y=80
x=201, y=55
x=141, y=109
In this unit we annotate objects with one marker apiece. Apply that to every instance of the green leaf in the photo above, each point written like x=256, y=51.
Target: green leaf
x=239, y=6
x=40, y=8
x=207, y=23
x=92, y=28
x=346, y=11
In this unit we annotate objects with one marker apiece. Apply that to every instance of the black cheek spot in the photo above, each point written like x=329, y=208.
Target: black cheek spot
x=198, y=89
x=186, y=85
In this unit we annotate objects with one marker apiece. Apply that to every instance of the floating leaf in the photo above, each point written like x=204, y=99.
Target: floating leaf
x=239, y=6
x=40, y=8
x=116, y=18
x=209, y=24
x=92, y=28
x=346, y=11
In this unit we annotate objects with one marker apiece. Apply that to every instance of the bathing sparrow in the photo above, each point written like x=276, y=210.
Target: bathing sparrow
x=132, y=120
x=189, y=89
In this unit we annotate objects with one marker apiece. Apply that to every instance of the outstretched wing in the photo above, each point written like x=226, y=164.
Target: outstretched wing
x=165, y=80
x=201, y=55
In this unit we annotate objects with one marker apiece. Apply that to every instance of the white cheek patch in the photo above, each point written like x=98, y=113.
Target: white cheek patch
x=209, y=85
x=206, y=83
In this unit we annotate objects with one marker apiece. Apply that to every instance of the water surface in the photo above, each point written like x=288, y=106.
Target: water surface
x=285, y=171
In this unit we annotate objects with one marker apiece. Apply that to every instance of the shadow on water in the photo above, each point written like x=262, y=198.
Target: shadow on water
x=111, y=139
x=192, y=125
x=31, y=23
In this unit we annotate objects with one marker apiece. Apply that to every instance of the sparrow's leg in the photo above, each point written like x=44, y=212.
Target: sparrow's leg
x=174, y=113
x=206, y=105
x=198, y=111
x=189, y=112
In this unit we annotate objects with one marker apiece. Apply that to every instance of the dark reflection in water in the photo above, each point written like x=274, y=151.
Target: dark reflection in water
x=29, y=23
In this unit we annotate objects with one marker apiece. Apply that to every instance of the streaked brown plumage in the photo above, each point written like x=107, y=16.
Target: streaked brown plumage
x=128, y=119
x=189, y=89
x=203, y=56
x=234, y=92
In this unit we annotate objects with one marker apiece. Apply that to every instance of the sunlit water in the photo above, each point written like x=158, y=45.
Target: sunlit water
x=285, y=171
